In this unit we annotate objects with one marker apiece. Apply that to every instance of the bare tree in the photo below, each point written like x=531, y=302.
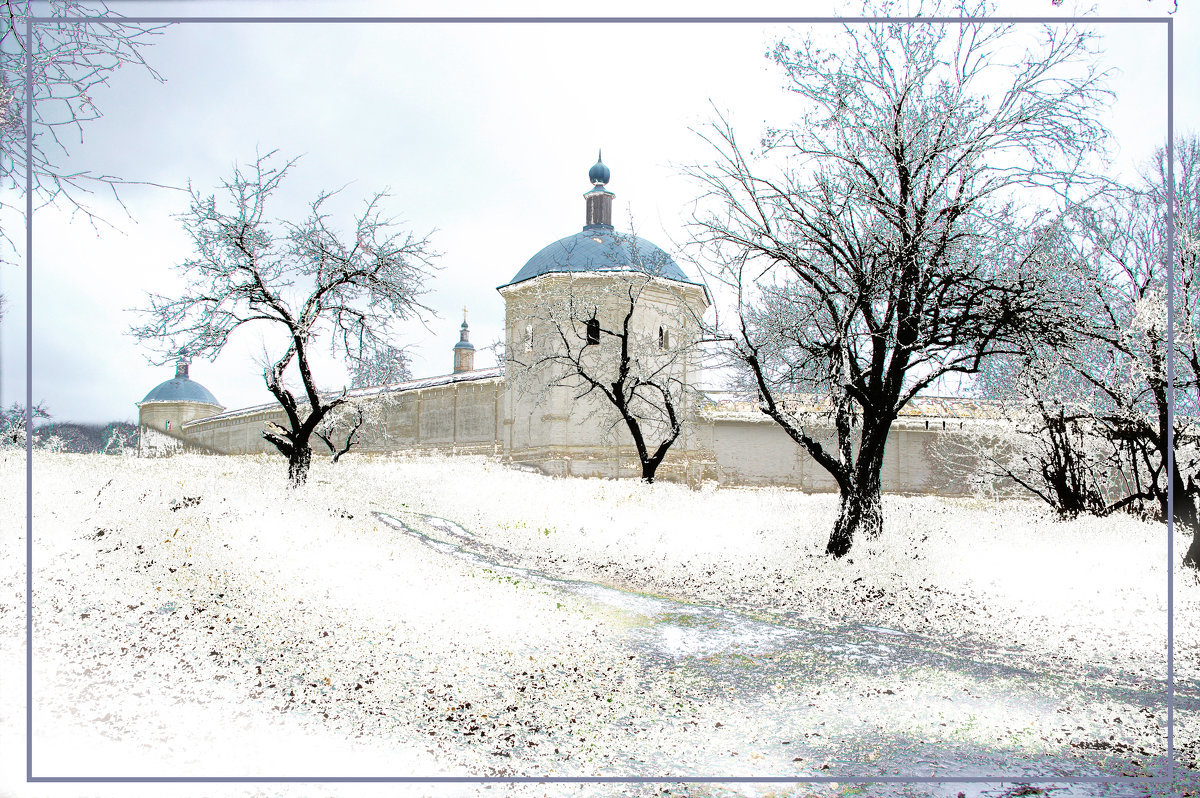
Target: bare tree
x=352, y=423
x=341, y=428
x=347, y=426
x=70, y=60
x=622, y=337
x=874, y=250
x=1045, y=441
x=301, y=279
x=1050, y=441
x=383, y=365
x=119, y=438
x=1107, y=431
x=16, y=419
x=1121, y=264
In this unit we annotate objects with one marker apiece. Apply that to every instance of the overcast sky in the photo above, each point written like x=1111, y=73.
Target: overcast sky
x=483, y=133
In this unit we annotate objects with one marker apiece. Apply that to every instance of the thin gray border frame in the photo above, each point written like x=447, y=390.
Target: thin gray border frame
x=849, y=779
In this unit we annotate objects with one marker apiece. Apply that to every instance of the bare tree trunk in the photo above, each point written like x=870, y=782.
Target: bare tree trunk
x=650, y=462
x=299, y=461
x=860, y=510
x=1183, y=495
x=1192, y=558
x=861, y=507
x=1187, y=515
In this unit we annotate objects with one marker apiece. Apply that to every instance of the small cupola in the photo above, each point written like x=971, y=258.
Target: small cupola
x=464, y=350
x=599, y=199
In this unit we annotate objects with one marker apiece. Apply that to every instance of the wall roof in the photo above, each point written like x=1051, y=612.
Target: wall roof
x=727, y=406
x=357, y=393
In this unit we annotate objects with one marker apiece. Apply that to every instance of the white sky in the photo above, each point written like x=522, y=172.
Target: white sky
x=482, y=132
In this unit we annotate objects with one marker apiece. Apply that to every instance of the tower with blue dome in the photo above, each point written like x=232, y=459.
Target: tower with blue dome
x=169, y=405
x=549, y=424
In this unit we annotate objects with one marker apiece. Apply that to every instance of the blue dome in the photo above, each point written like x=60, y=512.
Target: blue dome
x=181, y=389
x=599, y=173
x=599, y=249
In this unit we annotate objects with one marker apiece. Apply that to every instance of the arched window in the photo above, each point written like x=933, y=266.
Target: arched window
x=529, y=337
x=664, y=338
x=593, y=331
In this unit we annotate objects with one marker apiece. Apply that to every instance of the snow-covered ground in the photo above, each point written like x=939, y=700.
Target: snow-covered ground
x=193, y=616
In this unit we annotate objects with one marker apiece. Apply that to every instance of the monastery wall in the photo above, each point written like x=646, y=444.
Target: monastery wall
x=460, y=416
x=750, y=451
x=579, y=289
x=455, y=415
x=466, y=414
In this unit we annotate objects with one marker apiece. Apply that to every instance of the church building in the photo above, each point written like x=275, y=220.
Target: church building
x=532, y=416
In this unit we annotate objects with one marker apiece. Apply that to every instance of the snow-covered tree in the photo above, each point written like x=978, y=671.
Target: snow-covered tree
x=70, y=62
x=120, y=439
x=383, y=365
x=1045, y=441
x=1121, y=264
x=14, y=421
x=1098, y=416
x=303, y=279
x=353, y=423
x=874, y=248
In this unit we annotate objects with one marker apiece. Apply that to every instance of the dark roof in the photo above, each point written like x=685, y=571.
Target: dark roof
x=598, y=248
x=181, y=389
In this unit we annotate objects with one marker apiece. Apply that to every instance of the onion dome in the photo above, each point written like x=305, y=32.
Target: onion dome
x=599, y=174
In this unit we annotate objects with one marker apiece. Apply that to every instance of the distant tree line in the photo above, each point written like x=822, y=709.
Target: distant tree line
x=115, y=437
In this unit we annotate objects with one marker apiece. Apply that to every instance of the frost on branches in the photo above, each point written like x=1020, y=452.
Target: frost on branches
x=357, y=421
x=303, y=281
x=14, y=421
x=384, y=365
x=879, y=247
x=70, y=62
x=1114, y=252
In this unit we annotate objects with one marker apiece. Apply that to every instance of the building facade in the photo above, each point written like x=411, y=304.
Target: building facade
x=575, y=293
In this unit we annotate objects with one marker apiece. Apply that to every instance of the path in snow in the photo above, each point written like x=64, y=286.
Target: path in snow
x=770, y=667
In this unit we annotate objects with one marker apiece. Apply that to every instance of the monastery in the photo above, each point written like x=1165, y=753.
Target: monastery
x=486, y=412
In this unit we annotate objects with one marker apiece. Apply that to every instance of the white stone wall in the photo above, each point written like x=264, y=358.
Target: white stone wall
x=526, y=419
x=162, y=425
x=458, y=416
x=563, y=438
x=548, y=425
x=750, y=451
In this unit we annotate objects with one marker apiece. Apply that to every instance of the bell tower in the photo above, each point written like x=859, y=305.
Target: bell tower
x=464, y=350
